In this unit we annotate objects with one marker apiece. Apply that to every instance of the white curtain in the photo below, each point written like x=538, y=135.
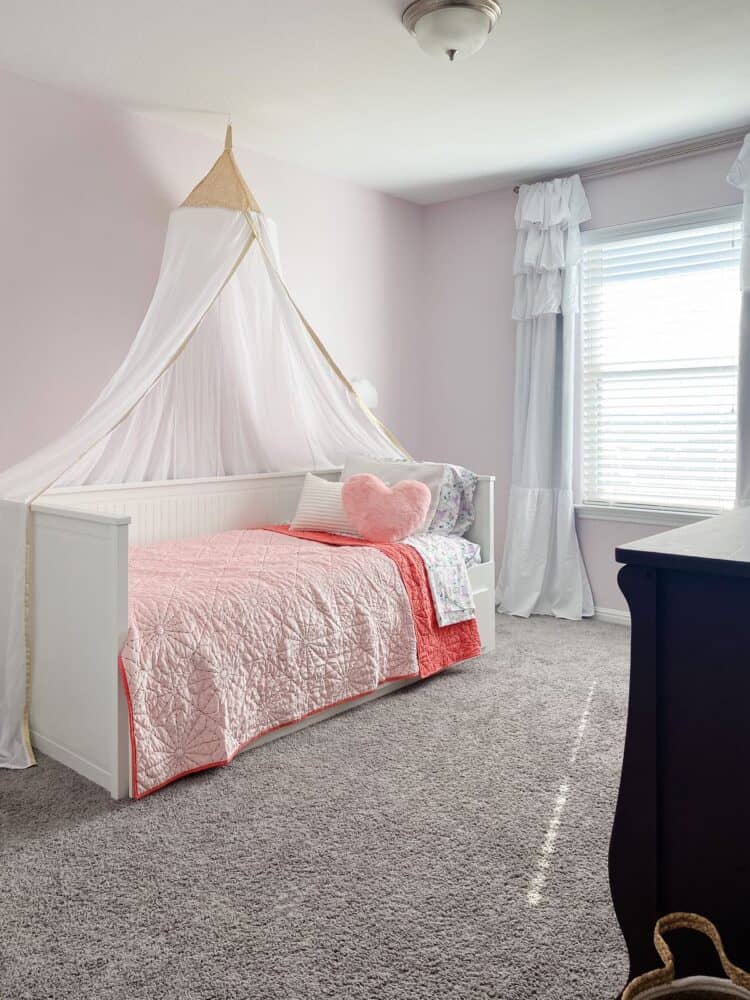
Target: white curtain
x=223, y=378
x=542, y=570
x=739, y=176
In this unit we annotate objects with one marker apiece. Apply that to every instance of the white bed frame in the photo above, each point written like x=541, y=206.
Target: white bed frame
x=80, y=598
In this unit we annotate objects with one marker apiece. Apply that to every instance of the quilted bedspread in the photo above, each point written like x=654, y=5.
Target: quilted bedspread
x=437, y=647
x=236, y=634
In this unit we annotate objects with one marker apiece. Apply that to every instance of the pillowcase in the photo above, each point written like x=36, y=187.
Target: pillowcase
x=455, y=511
x=383, y=513
x=320, y=508
x=429, y=473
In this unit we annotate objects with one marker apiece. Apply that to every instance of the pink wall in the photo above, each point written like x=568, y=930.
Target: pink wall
x=468, y=285
x=468, y=356
x=85, y=191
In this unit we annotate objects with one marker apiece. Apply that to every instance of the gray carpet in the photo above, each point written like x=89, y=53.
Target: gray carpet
x=386, y=854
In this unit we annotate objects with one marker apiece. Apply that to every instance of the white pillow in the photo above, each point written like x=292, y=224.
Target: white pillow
x=429, y=473
x=320, y=508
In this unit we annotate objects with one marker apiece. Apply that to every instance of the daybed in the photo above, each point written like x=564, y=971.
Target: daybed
x=81, y=537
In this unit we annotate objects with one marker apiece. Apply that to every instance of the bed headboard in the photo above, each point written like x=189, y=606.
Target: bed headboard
x=482, y=530
x=182, y=508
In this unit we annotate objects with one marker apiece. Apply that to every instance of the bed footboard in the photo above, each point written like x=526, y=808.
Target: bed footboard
x=79, y=622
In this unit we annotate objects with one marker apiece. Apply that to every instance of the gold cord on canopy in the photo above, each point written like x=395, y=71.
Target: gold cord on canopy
x=323, y=349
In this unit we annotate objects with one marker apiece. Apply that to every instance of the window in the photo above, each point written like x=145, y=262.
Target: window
x=660, y=310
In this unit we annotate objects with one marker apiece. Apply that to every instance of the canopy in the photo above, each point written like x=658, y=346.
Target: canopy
x=224, y=377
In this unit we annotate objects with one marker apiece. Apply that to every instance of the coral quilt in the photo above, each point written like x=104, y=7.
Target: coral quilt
x=236, y=634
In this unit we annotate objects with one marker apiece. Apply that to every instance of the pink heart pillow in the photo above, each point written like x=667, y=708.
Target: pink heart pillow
x=383, y=513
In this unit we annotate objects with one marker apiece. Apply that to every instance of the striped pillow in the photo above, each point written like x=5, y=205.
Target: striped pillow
x=320, y=508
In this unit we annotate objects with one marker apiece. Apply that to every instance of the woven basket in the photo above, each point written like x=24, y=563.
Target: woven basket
x=662, y=983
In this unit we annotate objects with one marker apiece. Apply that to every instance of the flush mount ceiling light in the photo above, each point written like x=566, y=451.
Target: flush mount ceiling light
x=453, y=28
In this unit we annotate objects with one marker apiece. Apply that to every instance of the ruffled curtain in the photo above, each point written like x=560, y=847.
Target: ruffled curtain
x=739, y=176
x=542, y=570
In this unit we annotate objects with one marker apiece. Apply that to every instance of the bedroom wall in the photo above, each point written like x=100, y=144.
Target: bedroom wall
x=469, y=353
x=468, y=259
x=415, y=298
x=85, y=192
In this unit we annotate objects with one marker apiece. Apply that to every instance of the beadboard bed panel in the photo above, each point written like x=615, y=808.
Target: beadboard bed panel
x=185, y=508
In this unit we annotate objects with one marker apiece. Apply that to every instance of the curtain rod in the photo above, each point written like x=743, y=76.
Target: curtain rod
x=653, y=156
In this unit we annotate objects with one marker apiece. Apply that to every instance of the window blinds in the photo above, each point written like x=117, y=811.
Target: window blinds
x=660, y=331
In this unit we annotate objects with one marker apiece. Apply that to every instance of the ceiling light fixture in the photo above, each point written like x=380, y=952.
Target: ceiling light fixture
x=453, y=28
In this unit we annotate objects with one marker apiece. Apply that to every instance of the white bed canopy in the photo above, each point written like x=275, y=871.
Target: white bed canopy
x=224, y=377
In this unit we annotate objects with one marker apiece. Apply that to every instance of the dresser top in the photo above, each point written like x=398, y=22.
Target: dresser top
x=719, y=544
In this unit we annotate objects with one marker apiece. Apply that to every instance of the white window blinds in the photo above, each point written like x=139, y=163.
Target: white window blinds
x=660, y=331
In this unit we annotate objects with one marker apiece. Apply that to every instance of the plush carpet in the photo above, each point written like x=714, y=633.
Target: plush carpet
x=445, y=842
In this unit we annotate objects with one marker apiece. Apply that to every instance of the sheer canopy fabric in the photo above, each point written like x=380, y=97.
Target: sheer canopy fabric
x=249, y=393
x=222, y=378
x=542, y=570
x=739, y=176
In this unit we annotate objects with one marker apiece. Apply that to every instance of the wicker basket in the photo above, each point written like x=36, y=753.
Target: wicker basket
x=662, y=983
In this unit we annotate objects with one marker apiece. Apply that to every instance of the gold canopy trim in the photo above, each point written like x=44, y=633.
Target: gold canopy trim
x=223, y=186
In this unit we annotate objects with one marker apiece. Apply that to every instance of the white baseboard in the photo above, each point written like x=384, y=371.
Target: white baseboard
x=612, y=616
x=71, y=759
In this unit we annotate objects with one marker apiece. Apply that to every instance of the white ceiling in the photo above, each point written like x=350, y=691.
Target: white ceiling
x=339, y=86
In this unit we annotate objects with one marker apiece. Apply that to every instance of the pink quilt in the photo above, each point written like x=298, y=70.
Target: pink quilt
x=236, y=634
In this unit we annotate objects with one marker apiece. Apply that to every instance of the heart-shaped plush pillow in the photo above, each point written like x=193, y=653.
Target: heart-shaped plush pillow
x=383, y=513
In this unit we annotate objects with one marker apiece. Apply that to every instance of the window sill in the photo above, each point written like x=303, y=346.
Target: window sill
x=640, y=515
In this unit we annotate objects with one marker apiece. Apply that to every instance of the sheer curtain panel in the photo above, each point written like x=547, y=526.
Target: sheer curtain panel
x=542, y=570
